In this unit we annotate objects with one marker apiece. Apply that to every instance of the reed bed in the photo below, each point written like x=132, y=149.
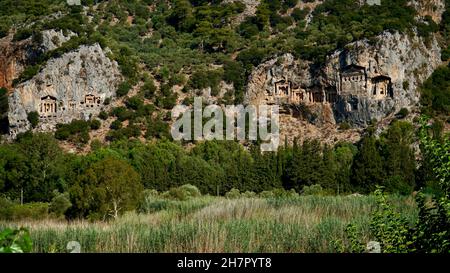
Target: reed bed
x=306, y=224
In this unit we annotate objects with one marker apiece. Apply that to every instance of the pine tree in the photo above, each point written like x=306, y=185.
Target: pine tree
x=368, y=166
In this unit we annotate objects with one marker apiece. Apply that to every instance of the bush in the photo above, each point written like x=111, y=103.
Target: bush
x=95, y=124
x=403, y=113
x=233, y=194
x=60, y=204
x=266, y=194
x=27, y=74
x=33, y=118
x=22, y=34
x=148, y=89
x=191, y=190
x=182, y=193
x=33, y=211
x=123, y=89
x=77, y=131
x=116, y=125
x=248, y=194
x=344, y=126
x=103, y=115
x=134, y=103
x=312, y=190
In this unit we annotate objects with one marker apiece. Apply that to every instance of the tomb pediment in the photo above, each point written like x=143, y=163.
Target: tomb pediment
x=353, y=69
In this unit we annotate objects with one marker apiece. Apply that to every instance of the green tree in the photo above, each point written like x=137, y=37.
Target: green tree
x=368, y=166
x=33, y=118
x=344, y=154
x=399, y=158
x=106, y=189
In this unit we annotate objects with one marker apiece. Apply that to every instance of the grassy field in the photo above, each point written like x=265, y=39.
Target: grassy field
x=209, y=224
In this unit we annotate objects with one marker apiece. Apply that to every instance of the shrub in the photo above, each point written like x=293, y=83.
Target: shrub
x=403, y=113
x=344, y=126
x=103, y=115
x=191, y=190
x=116, y=125
x=60, y=204
x=182, y=193
x=95, y=124
x=28, y=73
x=312, y=190
x=35, y=211
x=33, y=118
x=22, y=34
x=248, y=194
x=96, y=145
x=148, y=89
x=77, y=131
x=405, y=85
x=266, y=194
x=134, y=103
x=233, y=194
x=282, y=193
x=123, y=89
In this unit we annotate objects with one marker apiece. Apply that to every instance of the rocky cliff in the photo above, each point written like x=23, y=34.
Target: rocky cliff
x=362, y=82
x=73, y=86
x=16, y=55
x=13, y=58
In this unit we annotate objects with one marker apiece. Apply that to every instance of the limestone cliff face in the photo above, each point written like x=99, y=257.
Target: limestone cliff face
x=13, y=58
x=73, y=86
x=360, y=83
x=16, y=55
x=432, y=8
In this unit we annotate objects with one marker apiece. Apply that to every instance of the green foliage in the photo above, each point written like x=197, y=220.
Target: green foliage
x=206, y=78
x=435, y=91
x=60, y=204
x=233, y=194
x=33, y=118
x=95, y=124
x=389, y=227
x=368, y=165
x=123, y=89
x=312, y=190
x=430, y=233
x=11, y=211
x=27, y=74
x=403, y=113
x=182, y=193
x=106, y=189
x=399, y=157
x=354, y=235
x=76, y=131
x=438, y=154
x=15, y=241
x=103, y=115
x=34, y=167
x=148, y=89
x=116, y=125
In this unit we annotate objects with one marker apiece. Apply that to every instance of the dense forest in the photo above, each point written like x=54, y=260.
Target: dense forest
x=35, y=170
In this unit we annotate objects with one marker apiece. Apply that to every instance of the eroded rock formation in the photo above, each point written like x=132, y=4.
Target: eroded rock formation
x=73, y=86
x=16, y=55
x=360, y=83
